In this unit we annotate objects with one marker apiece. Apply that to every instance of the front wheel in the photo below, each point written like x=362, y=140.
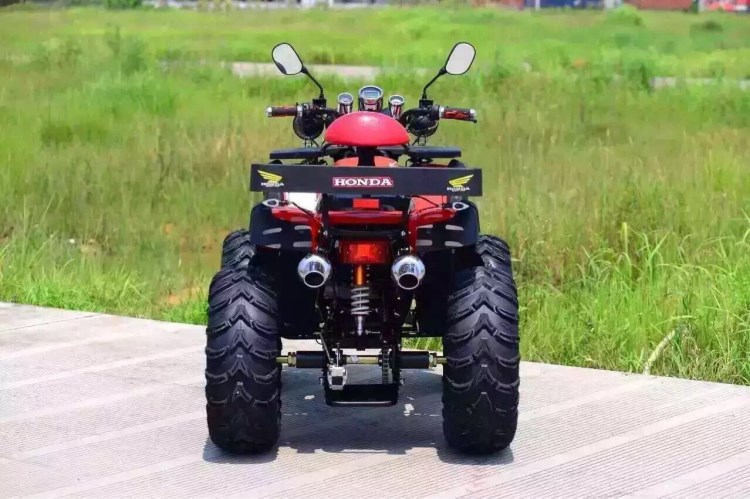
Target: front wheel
x=243, y=380
x=481, y=374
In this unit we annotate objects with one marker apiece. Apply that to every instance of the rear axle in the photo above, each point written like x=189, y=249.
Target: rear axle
x=407, y=360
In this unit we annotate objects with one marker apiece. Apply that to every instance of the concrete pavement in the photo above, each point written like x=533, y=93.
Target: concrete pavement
x=94, y=405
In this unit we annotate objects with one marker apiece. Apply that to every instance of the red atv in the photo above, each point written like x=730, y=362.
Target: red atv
x=360, y=254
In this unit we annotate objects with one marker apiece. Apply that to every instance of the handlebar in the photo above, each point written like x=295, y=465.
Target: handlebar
x=432, y=112
x=439, y=112
x=303, y=111
x=421, y=121
x=279, y=111
x=457, y=113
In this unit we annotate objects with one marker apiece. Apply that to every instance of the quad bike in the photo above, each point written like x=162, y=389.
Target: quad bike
x=361, y=254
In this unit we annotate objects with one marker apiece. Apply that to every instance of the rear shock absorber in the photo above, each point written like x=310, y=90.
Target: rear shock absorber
x=360, y=298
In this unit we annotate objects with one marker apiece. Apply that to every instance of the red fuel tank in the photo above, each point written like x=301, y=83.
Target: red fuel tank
x=366, y=129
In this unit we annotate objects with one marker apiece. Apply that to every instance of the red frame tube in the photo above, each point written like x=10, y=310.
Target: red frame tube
x=426, y=216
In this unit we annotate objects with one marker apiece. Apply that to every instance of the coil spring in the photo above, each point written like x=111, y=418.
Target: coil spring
x=360, y=300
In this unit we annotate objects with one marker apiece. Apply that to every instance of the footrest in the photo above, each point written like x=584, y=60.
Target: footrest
x=377, y=395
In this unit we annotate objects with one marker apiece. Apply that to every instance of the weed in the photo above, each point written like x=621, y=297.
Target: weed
x=626, y=209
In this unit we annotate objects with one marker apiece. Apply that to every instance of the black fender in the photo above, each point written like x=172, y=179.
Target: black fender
x=271, y=232
x=462, y=230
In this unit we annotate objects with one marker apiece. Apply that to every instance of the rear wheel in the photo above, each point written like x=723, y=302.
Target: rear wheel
x=495, y=253
x=243, y=380
x=236, y=250
x=441, y=266
x=481, y=374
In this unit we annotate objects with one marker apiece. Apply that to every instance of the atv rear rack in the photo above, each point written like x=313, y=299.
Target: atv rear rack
x=419, y=153
x=364, y=180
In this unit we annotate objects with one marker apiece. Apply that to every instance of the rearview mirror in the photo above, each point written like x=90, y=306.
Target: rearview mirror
x=289, y=63
x=460, y=59
x=458, y=62
x=286, y=59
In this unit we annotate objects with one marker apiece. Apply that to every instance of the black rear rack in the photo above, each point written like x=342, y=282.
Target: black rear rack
x=415, y=153
x=363, y=180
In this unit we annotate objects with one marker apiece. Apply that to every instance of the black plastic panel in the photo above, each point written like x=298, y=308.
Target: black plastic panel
x=434, y=152
x=419, y=152
x=462, y=230
x=366, y=180
x=266, y=230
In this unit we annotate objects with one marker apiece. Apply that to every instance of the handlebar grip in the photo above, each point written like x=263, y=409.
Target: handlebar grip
x=458, y=113
x=278, y=111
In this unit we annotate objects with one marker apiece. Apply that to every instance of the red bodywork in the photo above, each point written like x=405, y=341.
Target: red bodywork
x=366, y=129
x=380, y=161
x=425, y=216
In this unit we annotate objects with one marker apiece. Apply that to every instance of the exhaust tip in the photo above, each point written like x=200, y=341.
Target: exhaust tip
x=314, y=270
x=314, y=279
x=408, y=281
x=408, y=271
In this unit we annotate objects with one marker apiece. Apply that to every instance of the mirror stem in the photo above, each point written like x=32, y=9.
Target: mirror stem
x=320, y=87
x=438, y=75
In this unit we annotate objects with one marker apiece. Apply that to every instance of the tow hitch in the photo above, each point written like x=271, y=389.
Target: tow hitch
x=407, y=360
x=335, y=376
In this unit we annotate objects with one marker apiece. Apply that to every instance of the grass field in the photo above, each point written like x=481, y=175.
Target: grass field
x=675, y=44
x=627, y=210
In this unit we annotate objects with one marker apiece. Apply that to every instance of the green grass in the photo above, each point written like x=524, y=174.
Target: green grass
x=626, y=209
x=664, y=43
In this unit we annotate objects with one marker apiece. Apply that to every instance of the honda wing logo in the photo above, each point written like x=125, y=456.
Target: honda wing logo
x=271, y=179
x=364, y=182
x=459, y=184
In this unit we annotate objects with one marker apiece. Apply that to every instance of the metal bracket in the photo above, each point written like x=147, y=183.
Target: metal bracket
x=336, y=377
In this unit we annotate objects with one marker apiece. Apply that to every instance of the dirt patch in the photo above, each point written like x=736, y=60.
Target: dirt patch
x=183, y=295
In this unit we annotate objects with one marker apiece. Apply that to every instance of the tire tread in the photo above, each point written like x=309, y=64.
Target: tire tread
x=243, y=380
x=481, y=375
x=236, y=250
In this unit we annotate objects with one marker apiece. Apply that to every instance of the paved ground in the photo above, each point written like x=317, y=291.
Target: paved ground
x=101, y=406
x=369, y=73
x=249, y=69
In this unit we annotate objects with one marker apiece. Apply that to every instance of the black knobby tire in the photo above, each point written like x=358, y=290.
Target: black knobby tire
x=243, y=380
x=480, y=377
x=495, y=253
x=296, y=302
x=236, y=251
x=432, y=295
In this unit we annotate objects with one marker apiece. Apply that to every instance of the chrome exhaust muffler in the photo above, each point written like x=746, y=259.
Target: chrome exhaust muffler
x=314, y=270
x=408, y=272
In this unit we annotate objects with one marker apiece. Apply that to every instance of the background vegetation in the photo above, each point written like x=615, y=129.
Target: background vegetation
x=665, y=43
x=626, y=208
